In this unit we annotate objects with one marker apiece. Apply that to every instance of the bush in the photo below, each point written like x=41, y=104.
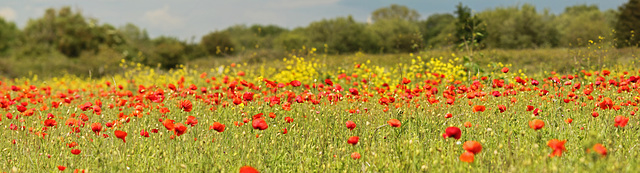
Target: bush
x=397, y=35
x=217, y=44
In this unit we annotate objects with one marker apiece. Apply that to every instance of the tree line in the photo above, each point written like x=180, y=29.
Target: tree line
x=85, y=44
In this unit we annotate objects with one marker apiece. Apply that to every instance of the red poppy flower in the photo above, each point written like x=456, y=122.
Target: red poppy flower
x=144, y=133
x=295, y=83
x=536, y=124
x=502, y=108
x=448, y=115
x=568, y=120
x=535, y=83
x=496, y=93
x=248, y=169
x=595, y=114
x=620, y=121
x=61, y=168
x=606, y=103
x=353, y=91
x=256, y=116
x=529, y=108
x=606, y=72
x=259, y=124
x=355, y=155
x=75, y=151
x=72, y=144
x=394, y=122
x=185, y=105
x=405, y=81
x=536, y=112
x=217, y=126
x=168, y=123
x=50, y=123
x=351, y=125
x=247, y=96
x=285, y=131
x=288, y=119
x=478, y=108
x=557, y=146
x=505, y=70
x=353, y=140
x=452, y=132
x=472, y=146
x=109, y=124
x=272, y=115
x=120, y=134
x=467, y=124
x=191, y=120
x=328, y=82
x=467, y=157
x=237, y=101
x=179, y=129
x=598, y=148
x=96, y=128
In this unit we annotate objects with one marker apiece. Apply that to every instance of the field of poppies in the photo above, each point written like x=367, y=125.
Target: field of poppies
x=302, y=115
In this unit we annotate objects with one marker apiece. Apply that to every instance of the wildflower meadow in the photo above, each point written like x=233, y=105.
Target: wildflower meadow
x=302, y=115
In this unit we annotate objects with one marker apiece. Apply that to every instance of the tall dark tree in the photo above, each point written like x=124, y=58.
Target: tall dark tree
x=628, y=24
x=470, y=30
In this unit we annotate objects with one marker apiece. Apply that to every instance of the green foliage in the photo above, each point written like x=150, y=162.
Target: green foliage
x=217, y=44
x=69, y=32
x=342, y=34
x=581, y=23
x=397, y=35
x=469, y=28
x=255, y=36
x=518, y=27
x=8, y=36
x=168, y=52
x=136, y=41
x=435, y=25
x=292, y=40
x=395, y=11
x=268, y=30
x=628, y=24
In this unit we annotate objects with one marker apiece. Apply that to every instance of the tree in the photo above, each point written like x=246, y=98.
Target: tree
x=8, y=35
x=518, y=27
x=628, y=24
x=69, y=32
x=581, y=23
x=395, y=11
x=292, y=40
x=168, y=52
x=342, y=34
x=397, y=35
x=268, y=30
x=217, y=43
x=434, y=26
x=470, y=30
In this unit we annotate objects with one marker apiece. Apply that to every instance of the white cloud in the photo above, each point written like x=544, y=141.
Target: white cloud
x=162, y=18
x=8, y=13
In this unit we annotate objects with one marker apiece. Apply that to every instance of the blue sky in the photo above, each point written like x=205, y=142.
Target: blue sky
x=188, y=18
